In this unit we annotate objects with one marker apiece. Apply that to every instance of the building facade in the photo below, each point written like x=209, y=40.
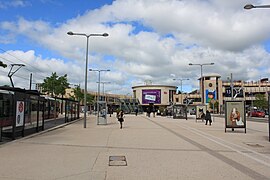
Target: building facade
x=157, y=95
x=214, y=90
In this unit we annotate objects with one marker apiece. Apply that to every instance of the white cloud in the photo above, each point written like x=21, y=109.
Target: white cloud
x=13, y=3
x=153, y=39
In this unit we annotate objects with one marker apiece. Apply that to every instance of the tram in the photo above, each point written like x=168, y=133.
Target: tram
x=24, y=112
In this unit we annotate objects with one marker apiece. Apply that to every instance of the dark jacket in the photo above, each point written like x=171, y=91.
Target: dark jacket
x=120, y=116
x=207, y=116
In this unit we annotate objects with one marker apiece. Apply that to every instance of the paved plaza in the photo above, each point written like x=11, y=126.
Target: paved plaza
x=155, y=148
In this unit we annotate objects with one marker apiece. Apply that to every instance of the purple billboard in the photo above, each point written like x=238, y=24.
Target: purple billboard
x=151, y=96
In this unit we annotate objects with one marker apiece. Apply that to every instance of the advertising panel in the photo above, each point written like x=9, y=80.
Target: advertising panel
x=151, y=96
x=20, y=113
x=210, y=95
x=210, y=91
x=200, y=112
x=235, y=116
x=180, y=112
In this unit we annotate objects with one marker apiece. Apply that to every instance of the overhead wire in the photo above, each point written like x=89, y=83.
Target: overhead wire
x=36, y=73
x=22, y=60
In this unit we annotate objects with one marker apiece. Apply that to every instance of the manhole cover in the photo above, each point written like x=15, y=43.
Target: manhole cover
x=117, y=161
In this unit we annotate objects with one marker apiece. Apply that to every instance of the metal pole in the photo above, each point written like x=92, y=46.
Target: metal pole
x=268, y=115
x=201, y=69
x=181, y=91
x=98, y=96
x=202, y=89
x=103, y=88
x=231, y=86
x=85, y=85
x=232, y=92
x=30, y=81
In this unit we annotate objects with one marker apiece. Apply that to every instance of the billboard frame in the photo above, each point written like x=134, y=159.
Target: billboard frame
x=204, y=107
x=235, y=112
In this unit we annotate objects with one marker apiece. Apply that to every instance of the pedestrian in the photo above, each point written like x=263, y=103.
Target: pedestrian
x=208, y=118
x=120, y=117
x=136, y=111
x=154, y=112
x=110, y=111
x=148, y=111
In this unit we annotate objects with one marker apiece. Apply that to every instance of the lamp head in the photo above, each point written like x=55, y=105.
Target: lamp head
x=70, y=33
x=249, y=6
x=212, y=63
x=190, y=64
x=105, y=34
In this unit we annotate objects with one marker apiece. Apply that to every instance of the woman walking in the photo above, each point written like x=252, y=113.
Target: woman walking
x=120, y=117
x=208, y=118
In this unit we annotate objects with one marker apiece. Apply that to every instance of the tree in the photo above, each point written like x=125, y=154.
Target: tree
x=90, y=99
x=79, y=96
x=55, y=85
x=216, y=104
x=78, y=93
x=260, y=101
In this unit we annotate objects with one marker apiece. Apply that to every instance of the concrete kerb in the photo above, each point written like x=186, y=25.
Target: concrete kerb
x=41, y=132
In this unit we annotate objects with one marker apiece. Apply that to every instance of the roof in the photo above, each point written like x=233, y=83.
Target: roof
x=141, y=86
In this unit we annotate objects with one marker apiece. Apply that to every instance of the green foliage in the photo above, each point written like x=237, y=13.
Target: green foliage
x=78, y=93
x=260, y=101
x=90, y=99
x=216, y=104
x=55, y=85
x=79, y=96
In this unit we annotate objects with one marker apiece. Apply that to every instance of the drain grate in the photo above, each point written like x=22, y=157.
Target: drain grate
x=117, y=161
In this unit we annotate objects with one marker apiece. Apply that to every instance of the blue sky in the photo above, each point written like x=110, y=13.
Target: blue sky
x=54, y=12
x=148, y=40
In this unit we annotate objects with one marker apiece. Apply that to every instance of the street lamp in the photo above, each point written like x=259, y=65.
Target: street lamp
x=250, y=6
x=181, y=84
x=86, y=64
x=204, y=64
x=103, y=86
x=98, y=99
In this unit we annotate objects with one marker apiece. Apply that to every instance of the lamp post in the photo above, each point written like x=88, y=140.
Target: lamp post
x=250, y=6
x=103, y=86
x=181, y=85
x=98, y=99
x=201, y=65
x=86, y=64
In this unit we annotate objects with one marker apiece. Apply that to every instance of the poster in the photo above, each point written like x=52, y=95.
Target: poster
x=210, y=90
x=235, y=116
x=20, y=113
x=210, y=95
x=200, y=111
x=151, y=96
x=179, y=111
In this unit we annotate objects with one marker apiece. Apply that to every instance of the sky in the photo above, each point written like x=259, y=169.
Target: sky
x=149, y=41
